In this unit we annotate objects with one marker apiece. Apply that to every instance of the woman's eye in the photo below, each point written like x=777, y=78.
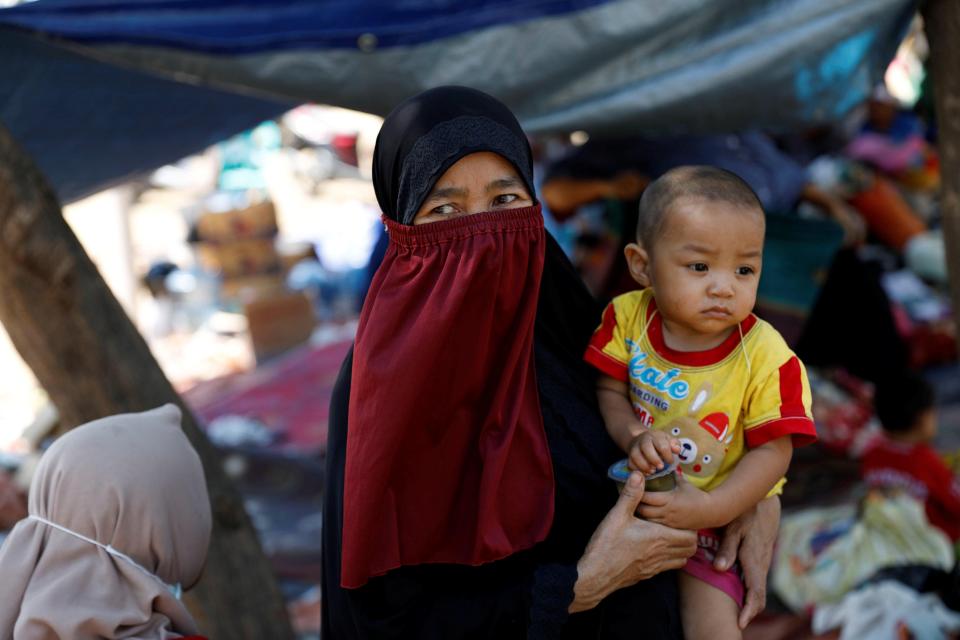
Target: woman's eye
x=505, y=198
x=745, y=271
x=443, y=210
x=698, y=266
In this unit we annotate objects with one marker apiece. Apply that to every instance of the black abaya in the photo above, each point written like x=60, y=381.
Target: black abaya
x=525, y=595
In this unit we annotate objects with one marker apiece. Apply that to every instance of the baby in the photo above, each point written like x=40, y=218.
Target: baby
x=690, y=375
x=904, y=458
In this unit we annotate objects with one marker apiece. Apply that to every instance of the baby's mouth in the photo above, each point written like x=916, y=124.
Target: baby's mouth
x=717, y=312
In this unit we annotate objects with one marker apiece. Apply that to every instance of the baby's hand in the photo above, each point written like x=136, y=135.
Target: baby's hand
x=650, y=449
x=685, y=507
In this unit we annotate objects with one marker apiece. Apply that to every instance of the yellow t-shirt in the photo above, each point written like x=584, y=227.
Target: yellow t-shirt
x=717, y=402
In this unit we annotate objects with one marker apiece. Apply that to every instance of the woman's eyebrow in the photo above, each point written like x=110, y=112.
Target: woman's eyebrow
x=508, y=182
x=446, y=192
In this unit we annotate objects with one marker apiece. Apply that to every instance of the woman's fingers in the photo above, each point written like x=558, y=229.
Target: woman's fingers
x=667, y=539
x=754, y=603
x=678, y=560
x=650, y=514
x=729, y=546
x=624, y=550
x=655, y=498
x=756, y=552
x=631, y=495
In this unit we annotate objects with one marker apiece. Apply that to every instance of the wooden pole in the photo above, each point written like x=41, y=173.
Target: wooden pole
x=93, y=362
x=941, y=20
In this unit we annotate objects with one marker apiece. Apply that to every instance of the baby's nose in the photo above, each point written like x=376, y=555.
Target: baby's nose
x=721, y=288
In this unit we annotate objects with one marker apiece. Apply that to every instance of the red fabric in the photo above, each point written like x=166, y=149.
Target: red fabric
x=695, y=358
x=289, y=395
x=607, y=364
x=601, y=337
x=791, y=390
x=604, y=334
x=447, y=459
x=919, y=470
x=801, y=430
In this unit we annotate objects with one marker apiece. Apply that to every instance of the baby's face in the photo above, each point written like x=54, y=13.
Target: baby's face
x=704, y=270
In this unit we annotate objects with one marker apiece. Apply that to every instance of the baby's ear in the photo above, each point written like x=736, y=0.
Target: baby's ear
x=638, y=260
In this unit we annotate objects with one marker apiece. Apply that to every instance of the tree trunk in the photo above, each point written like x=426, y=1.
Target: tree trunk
x=941, y=20
x=93, y=362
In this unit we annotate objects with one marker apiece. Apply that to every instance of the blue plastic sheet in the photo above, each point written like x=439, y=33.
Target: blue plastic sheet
x=129, y=84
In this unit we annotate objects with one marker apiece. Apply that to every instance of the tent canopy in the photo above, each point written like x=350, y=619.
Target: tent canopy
x=99, y=90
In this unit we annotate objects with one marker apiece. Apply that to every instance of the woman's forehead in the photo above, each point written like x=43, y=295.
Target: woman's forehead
x=481, y=166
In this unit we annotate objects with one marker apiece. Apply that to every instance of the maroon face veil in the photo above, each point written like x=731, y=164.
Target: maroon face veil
x=447, y=460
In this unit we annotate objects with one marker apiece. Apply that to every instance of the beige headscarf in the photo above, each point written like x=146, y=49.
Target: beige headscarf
x=131, y=482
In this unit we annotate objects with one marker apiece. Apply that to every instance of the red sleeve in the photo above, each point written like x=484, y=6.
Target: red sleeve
x=595, y=353
x=801, y=430
x=780, y=406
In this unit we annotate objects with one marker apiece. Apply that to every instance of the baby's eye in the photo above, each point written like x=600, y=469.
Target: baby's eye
x=675, y=431
x=698, y=266
x=707, y=459
x=745, y=271
x=505, y=198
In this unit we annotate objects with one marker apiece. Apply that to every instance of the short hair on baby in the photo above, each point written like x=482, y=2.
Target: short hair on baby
x=692, y=181
x=900, y=399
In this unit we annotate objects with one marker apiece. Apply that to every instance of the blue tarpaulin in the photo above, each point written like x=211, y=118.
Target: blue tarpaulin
x=97, y=90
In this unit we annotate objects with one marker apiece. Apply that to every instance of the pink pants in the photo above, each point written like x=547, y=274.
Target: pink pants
x=700, y=566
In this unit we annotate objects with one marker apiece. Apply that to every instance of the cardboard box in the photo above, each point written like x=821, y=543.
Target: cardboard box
x=278, y=323
x=255, y=221
x=240, y=257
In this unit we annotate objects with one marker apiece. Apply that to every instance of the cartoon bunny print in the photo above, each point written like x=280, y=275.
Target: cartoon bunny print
x=704, y=442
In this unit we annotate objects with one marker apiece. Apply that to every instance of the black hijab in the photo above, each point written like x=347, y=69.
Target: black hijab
x=428, y=133
x=425, y=135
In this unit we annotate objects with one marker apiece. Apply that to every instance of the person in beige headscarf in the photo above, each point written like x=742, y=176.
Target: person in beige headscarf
x=119, y=519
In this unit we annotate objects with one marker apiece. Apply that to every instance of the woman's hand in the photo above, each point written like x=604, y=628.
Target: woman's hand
x=751, y=537
x=625, y=550
x=685, y=507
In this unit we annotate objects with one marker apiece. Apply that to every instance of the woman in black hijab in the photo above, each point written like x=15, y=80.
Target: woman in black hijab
x=466, y=494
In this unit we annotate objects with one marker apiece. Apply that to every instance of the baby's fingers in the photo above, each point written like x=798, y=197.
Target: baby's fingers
x=649, y=449
x=639, y=461
x=665, y=449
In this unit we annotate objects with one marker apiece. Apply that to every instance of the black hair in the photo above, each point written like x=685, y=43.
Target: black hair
x=901, y=399
x=694, y=181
